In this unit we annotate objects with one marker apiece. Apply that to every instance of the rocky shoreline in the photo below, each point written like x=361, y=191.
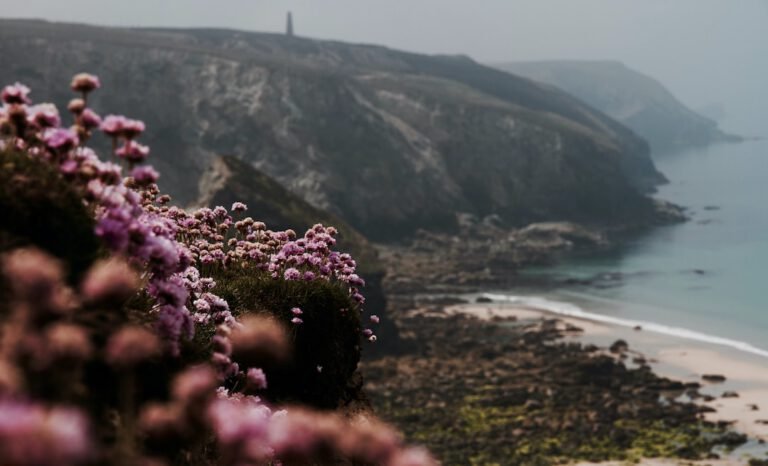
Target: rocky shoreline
x=484, y=254
x=514, y=391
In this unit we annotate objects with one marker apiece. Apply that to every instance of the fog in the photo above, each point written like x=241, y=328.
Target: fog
x=705, y=51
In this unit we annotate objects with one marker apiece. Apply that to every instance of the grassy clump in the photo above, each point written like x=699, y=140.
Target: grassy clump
x=327, y=344
x=40, y=208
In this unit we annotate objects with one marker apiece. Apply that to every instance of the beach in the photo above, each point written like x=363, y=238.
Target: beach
x=745, y=384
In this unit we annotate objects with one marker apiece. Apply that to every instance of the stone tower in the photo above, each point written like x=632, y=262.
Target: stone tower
x=289, y=25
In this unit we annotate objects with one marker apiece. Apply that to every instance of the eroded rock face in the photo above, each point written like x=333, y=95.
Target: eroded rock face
x=389, y=141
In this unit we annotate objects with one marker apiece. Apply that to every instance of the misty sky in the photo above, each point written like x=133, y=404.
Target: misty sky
x=705, y=51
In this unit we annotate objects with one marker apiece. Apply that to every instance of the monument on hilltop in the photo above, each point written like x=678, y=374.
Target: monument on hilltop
x=289, y=25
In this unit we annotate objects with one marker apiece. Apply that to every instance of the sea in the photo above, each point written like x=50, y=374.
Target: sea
x=704, y=280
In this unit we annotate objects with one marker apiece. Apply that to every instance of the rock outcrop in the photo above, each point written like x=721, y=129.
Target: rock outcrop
x=387, y=140
x=636, y=100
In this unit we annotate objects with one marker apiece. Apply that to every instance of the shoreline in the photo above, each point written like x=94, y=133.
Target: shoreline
x=676, y=357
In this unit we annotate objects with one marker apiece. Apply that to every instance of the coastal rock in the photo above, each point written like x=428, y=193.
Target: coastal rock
x=729, y=394
x=713, y=378
x=558, y=235
x=619, y=346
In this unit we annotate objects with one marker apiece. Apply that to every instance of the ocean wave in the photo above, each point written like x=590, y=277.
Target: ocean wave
x=571, y=310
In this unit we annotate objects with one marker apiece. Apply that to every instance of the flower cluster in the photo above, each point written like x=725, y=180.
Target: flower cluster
x=46, y=418
x=49, y=346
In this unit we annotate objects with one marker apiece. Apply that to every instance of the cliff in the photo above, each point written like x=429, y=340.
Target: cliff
x=636, y=100
x=387, y=140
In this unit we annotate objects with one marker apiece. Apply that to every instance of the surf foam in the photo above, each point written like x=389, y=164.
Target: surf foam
x=571, y=310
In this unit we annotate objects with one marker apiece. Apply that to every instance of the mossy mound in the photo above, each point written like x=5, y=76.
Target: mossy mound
x=40, y=208
x=326, y=346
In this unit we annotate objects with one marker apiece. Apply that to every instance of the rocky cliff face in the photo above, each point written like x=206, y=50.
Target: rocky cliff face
x=636, y=100
x=389, y=141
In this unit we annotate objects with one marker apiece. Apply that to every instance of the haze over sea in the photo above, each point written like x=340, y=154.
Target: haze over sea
x=706, y=275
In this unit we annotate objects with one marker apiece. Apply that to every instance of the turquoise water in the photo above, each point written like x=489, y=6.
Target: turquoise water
x=708, y=275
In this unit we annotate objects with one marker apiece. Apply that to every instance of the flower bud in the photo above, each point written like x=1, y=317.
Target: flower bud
x=259, y=342
x=132, y=345
x=84, y=82
x=109, y=283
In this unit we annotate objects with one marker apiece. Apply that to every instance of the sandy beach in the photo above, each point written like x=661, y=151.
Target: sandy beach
x=745, y=403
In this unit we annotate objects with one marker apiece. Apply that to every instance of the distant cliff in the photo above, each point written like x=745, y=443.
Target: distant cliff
x=637, y=100
x=389, y=141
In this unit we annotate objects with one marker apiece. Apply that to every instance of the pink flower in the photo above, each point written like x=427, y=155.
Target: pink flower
x=60, y=139
x=44, y=115
x=195, y=385
x=133, y=152
x=15, y=94
x=31, y=434
x=259, y=341
x=132, y=345
x=89, y=119
x=297, y=320
x=110, y=281
x=112, y=125
x=256, y=379
x=292, y=274
x=375, y=319
x=296, y=311
x=76, y=106
x=239, y=207
x=145, y=175
x=84, y=82
x=132, y=128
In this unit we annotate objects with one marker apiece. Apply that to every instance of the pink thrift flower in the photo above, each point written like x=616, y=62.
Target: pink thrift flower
x=44, y=115
x=132, y=128
x=133, y=152
x=76, y=106
x=256, y=379
x=292, y=274
x=84, y=82
x=110, y=281
x=259, y=341
x=239, y=207
x=60, y=139
x=132, y=345
x=297, y=320
x=145, y=175
x=15, y=94
x=112, y=125
x=195, y=385
x=33, y=435
x=296, y=311
x=67, y=342
x=89, y=119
